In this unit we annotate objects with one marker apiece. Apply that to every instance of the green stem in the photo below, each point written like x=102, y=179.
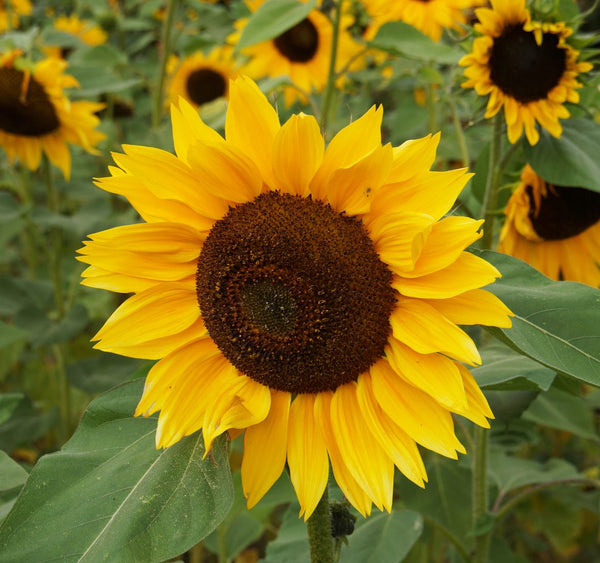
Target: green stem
x=55, y=243
x=480, y=493
x=319, y=532
x=222, y=542
x=490, y=196
x=462, y=550
x=330, y=85
x=431, y=108
x=165, y=51
x=29, y=234
x=64, y=393
x=460, y=136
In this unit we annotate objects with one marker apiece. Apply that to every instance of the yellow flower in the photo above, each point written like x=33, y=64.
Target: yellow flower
x=87, y=31
x=202, y=78
x=10, y=10
x=36, y=116
x=307, y=296
x=556, y=229
x=525, y=66
x=301, y=53
x=430, y=17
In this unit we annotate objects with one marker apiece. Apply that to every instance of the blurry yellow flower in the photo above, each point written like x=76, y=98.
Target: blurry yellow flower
x=10, y=10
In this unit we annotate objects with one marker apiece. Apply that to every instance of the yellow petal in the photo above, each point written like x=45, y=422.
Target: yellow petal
x=153, y=323
x=434, y=374
x=422, y=418
x=468, y=272
x=398, y=446
x=349, y=486
x=414, y=157
x=306, y=454
x=265, y=446
x=297, y=154
x=476, y=306
x=251, y=125
x=477, y=410
x=366, y=460
x=427, y=331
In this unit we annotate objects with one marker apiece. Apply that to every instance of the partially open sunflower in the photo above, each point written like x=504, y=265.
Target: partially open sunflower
x=36, y=116
x=527, y=67
x=307, y=296
x=201, y=78
x=85, y=30
x=302, y=53
x=430, y=17
x=556, y=229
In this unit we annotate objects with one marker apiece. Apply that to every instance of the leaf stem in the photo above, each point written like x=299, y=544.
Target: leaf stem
x=480, y=493
x=164, y=52
x=331, y=76
x=460, y=136
x=490, y=197
x=318, y=527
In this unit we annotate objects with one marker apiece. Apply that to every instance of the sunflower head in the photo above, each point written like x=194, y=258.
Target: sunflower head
x=526, y=67
x=301, y=53
x=201, y=79
x=554, y=228
x=35, y=115
x=87, y=31
x=308, y=297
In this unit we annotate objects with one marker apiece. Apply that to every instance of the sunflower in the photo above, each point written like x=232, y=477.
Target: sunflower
x=87, y=31
x=525, y=66
x=430, y=17
x=10, y=11
x=556, y=229
x=36, y=116
x=302, y=53
x=200, y=78
x=306, y=296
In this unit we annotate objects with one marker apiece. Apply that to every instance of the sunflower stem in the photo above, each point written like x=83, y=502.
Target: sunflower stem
x=460, y=136
x=164, y=52
x=480, y=494
x=319, y=532
x=29, y=234
x=330, y=85
x=490, y=197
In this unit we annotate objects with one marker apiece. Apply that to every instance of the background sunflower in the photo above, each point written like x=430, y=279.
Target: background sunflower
x=36, y=116
x=526, y=67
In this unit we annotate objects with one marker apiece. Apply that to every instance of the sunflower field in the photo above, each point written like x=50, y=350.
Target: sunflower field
x=300, y=281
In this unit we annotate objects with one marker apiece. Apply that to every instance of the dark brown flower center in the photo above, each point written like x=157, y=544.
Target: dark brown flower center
x=299, y=44
x=523, y=69
x=205, y=85
x=27, y=112
x=294, y=293
x=564, y=212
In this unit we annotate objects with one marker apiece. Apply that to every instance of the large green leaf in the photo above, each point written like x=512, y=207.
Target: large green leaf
x=555, y=323
x=109, y=495
x=571, y=160
x=273, y=18
x=399, y=38
x=11, y=473
x=384, y=538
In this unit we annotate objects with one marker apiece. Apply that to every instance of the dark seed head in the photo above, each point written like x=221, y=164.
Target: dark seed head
x=205, y=85
x=299, y=44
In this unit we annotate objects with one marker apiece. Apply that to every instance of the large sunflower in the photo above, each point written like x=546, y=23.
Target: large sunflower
x=301, y=53
x=430, y=17
x=36, y=116
x=200, y=78
x=307, y=296
x=10, y=11
x=556, y=229
x=527, y=67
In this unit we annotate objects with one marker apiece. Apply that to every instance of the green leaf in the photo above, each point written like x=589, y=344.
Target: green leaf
x=10, y=334
x=502, y=368
x=11, y=473
x=44, y=332
x=26, y=425
x=399, y=38
x=384, y=538
x=510, y=472
x=273, y=18
x=291, y=543
x=555, y=323
x=109, y=495
x=8, y=404
x=563, y=411
x=571, y=160
x=100, y=372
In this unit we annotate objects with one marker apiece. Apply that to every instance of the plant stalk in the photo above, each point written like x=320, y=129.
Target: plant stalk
x=331, y=76
x=490, y=197
x=480, y=493
x=319, y=532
